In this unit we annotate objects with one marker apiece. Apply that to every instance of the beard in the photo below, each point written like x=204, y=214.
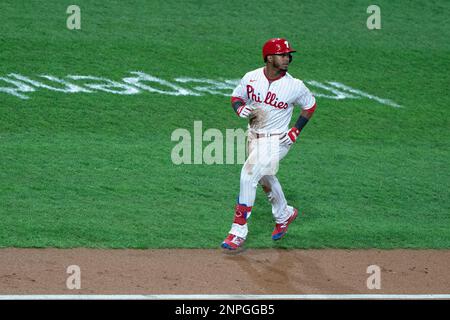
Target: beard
x=280, y=66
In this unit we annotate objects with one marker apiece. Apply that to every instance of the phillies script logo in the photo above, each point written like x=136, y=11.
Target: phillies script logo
x=271, y=98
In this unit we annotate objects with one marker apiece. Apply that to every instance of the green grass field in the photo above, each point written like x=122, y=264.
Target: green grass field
x=95, y=169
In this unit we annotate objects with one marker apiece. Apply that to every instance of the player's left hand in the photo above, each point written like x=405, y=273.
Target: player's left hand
x=290, y=136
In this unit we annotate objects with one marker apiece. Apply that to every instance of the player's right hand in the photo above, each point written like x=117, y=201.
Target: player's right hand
x=245, y=110
x=289, y=137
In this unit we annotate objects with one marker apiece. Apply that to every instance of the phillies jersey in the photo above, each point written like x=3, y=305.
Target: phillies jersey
x=275, y=98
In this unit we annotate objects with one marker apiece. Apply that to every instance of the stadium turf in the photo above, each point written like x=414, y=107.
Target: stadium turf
x=95, y=169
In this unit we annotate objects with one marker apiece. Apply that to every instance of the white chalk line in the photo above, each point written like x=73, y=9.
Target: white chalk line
x=231, y=297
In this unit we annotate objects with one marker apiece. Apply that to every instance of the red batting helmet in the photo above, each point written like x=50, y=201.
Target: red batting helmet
x=276, y=46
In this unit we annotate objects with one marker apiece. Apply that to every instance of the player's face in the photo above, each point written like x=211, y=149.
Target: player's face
x=281, y=61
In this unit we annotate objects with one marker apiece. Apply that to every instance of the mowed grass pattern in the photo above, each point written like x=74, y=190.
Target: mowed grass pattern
x=95, y=170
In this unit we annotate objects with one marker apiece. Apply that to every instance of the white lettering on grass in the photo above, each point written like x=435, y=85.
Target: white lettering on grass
x=20, y=87
x=363, y=94
x=143, y=77
x=67, y=86
x=144, y=82
x=209, y=86
x=337, y=94
x=107, y=85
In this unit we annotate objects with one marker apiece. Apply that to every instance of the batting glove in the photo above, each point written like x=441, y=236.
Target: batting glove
x=244, y=111
x=290, y=137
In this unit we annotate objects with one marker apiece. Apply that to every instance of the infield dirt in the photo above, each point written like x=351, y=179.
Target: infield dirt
x=201, y=271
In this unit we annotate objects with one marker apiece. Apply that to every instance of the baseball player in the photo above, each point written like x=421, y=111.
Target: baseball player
x=267, y=96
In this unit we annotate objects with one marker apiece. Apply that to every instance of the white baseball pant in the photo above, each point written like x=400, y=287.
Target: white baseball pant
x=261, y=167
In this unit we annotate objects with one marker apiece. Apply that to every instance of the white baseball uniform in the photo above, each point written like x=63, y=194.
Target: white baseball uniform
x=275, y=100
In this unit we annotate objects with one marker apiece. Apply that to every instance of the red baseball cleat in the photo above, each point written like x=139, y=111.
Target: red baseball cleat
x=281, y=228
x=232, y=242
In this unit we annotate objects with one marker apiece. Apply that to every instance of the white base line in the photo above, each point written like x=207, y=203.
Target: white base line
x=231, y=297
